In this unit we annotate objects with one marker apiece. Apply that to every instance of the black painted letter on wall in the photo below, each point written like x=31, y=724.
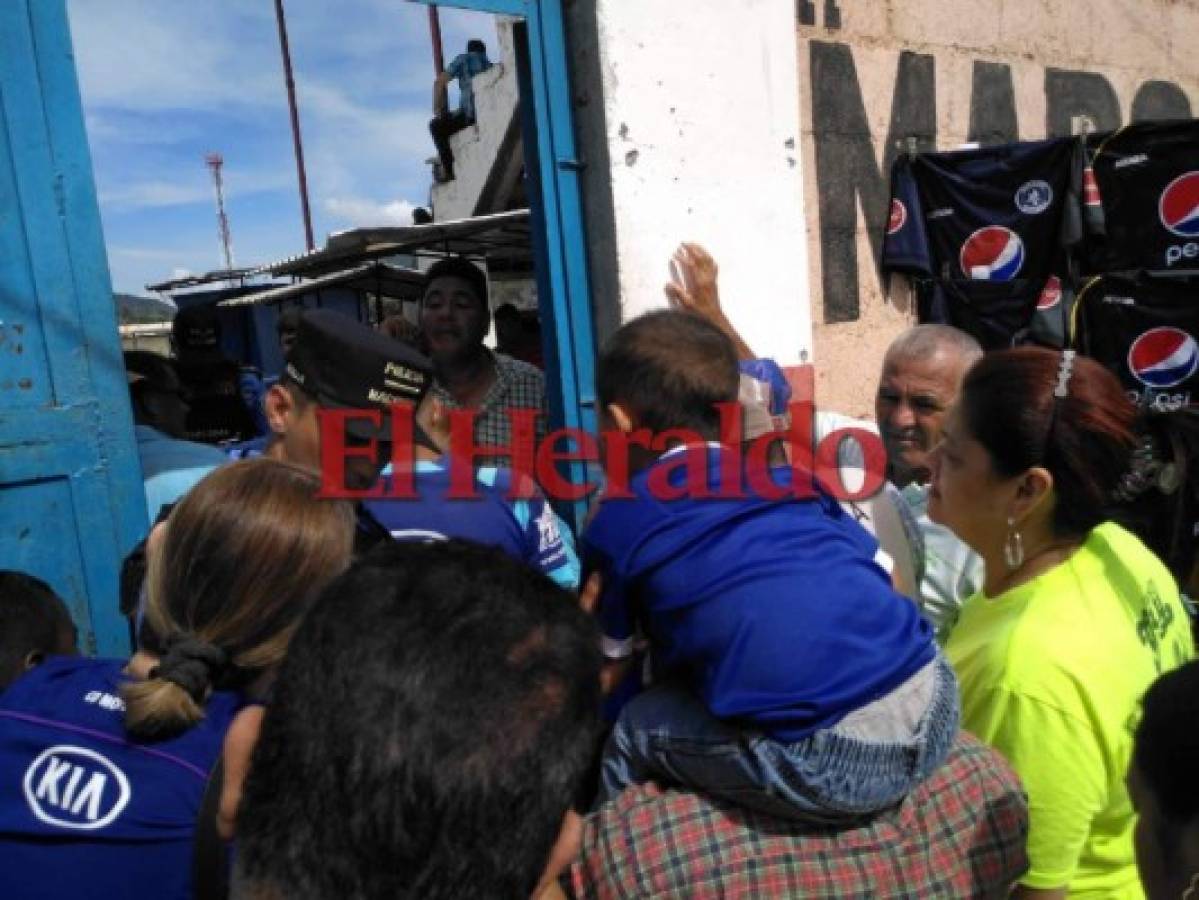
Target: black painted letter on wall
x=992, y=105
x=846, y=164
x=1069, y=94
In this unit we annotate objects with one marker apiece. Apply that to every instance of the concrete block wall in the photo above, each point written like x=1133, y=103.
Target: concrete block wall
x=875, y=72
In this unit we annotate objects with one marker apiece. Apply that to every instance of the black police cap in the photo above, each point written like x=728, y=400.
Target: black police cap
x=344, y=364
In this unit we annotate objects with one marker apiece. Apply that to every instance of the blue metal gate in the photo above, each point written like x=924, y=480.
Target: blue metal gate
x=559, y=245
x=71, y=500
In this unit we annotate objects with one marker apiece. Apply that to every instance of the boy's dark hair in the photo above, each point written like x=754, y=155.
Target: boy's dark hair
x=459, y=267
x=474, y=45
x=428, y=731
x=33, y=620
x=670, y=369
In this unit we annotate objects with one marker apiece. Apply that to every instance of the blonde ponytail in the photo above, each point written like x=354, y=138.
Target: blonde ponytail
x=158, y=708
x=243, y=557
x=172, y=699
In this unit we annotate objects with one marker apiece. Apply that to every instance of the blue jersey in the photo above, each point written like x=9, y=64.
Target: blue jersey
x=905, y=243
x=1143, y=192
x=985, y=234
x=997, y=213
x=84, y=809
x=526, y=529
x=1145, y=329
x=774, y=611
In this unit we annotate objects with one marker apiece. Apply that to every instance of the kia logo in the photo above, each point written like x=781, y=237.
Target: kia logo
x=77, y=788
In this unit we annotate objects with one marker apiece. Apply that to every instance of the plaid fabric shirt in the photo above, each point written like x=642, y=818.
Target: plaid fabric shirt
x=518, y=385
x=960, y=834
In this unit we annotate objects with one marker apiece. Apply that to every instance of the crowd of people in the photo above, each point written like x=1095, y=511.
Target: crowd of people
x=978, y=682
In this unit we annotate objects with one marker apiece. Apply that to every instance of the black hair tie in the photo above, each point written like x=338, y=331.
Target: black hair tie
x=191, y=663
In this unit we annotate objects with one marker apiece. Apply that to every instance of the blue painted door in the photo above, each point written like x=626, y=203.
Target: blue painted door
x=559, y=244
x=71, y=500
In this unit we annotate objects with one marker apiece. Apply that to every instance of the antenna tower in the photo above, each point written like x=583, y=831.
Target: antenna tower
x=214, y=161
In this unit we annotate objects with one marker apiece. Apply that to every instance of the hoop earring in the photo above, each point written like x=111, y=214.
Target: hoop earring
x=1189, y=893
x=1013, y=547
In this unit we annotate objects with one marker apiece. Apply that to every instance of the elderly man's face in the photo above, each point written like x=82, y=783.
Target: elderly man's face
x=914, y=394
x=453, y=319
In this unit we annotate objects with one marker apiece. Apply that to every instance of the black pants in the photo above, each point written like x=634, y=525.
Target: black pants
x=442, y=128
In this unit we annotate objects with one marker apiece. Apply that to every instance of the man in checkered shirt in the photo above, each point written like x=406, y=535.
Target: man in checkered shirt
x=455, y=317
x=961, y=833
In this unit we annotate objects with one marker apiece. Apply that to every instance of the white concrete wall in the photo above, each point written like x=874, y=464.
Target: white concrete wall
x=475, y=148
x=700, y=141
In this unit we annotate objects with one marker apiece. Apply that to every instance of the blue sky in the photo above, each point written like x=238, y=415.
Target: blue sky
x=166, y=81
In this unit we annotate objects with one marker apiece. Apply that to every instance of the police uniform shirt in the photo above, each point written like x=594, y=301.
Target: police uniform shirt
x=526, y=529
x=86, y=811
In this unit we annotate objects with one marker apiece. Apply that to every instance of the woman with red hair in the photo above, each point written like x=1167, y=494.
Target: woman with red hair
x=1076, y=617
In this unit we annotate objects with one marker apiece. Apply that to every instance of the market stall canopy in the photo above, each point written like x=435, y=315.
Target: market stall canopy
x=192, y=281
x=379, y=278
x=502, y=240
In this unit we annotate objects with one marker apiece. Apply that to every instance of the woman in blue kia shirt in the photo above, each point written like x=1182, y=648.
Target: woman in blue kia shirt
x=104, y=762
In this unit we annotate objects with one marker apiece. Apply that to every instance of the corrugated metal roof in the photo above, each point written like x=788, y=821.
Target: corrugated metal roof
x=190, y=281
x=500, y=237
x=375, y=277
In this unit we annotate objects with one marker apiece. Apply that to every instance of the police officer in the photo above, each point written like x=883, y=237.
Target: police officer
x=337, y=363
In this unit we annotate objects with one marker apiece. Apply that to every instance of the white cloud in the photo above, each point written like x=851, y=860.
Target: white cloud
x=152, y=194
x=165, y=81
x=359, y=212
x=195, y=189
x=223, y=55
x=172, y=55
x=361, y=131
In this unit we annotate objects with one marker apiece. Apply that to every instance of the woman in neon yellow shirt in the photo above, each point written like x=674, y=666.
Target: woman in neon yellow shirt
x=1076, y=617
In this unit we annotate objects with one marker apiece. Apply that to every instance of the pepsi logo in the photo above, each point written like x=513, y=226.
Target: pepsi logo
x=1034, y=197
x=1051, y=295
x=75, y=788
x=1179, y=205
x=1163, y=357
x=898, y=217
x=993, y=253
